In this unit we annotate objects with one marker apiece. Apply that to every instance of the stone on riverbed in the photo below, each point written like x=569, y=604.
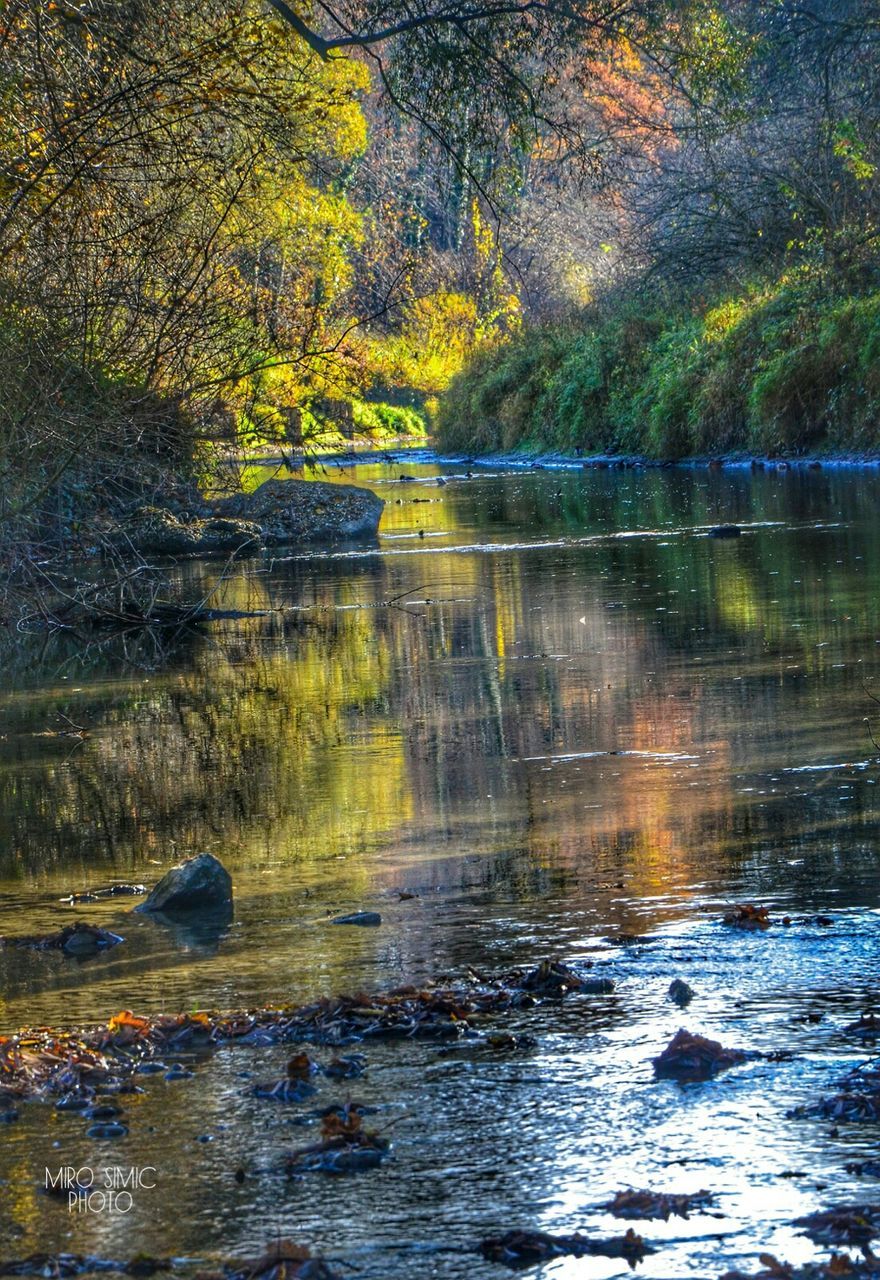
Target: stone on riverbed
x=366, y=919
x=852, y=1225
x=306, y=511
x=113, y=1129
x=276, y=513
x=346, y=1146
x=633, y=1202
x=521, y=1249
x=680, y=993
x=199, y=883
x=550, y=978
x=693, y=1057
x=78, y=939
x=82, y=939
x=596, y=986
x=109, y=891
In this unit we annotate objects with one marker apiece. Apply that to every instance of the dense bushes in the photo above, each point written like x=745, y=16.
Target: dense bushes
x=783, y=367
x=77, y=442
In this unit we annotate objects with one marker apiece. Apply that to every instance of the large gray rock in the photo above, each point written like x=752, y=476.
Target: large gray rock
x=306, y=511
x=199, y=883
x=278, y=512
x=158, y=531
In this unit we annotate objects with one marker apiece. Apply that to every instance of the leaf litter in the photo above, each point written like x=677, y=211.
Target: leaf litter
x=634, y=1203
x=43, y=1062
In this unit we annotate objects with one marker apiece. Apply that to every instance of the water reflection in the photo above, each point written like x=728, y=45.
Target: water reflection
x=634, y=709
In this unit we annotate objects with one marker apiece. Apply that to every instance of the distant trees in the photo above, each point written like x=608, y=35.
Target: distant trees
x=687, y=137
x=782, y=161
x=741, y=205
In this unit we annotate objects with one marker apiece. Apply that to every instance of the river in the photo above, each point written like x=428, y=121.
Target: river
x=547, y=717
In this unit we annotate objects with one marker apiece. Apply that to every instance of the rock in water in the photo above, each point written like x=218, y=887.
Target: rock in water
x=82, y=939
x=306, y=511
x=278, y=512
x=680, y=993
x=366, y=919
x=725, y=531
x=693, y=1057
x=551, y=978
x=158, y=531
x=199, y=883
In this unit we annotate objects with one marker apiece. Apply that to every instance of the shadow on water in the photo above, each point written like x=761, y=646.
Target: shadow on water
x=548, y=710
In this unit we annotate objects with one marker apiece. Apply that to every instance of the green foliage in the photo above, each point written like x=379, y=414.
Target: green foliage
x=328, y=426
x=850, y=148
x=494, y=403
x=714, y=57
x=783, y=367
x=387, y=420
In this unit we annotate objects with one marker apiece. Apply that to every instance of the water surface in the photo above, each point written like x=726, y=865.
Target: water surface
x=544, y=714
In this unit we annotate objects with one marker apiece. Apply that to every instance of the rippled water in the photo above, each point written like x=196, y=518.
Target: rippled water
x=554, y=711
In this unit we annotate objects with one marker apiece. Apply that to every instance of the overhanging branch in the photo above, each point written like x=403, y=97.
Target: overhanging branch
x=361, y=40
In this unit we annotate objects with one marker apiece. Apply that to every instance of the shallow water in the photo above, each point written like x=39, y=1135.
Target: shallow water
x=556, y=713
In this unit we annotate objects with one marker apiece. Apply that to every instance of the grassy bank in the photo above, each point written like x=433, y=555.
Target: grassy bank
x=330, y=427
x=785, y=366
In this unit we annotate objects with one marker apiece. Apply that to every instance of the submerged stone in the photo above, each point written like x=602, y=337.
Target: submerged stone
x=103, y=1111
x=367, y=919
x=596, y=986
x=108, y=891
x=520, y=1249
x=346, y=1068
x=111, y=1129
x=72, y=1102
x=350, y=1160
x=285, y=1090
x=80, y=939
x=83, y=939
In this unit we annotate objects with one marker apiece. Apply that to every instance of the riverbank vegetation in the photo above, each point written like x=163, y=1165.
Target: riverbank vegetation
x=784, y=366
x=199, y=257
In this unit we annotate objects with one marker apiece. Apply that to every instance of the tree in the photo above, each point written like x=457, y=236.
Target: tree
x=173, y=226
